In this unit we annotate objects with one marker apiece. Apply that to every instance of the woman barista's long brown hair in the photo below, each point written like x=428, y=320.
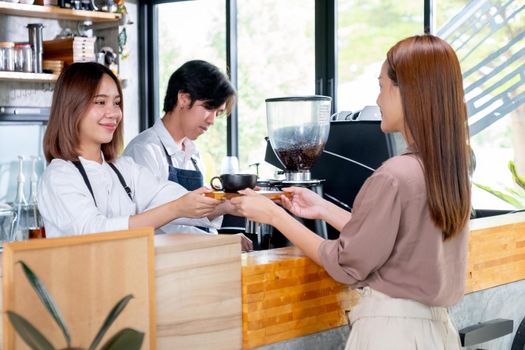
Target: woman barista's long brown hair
x=74, y=92
x=428, y=74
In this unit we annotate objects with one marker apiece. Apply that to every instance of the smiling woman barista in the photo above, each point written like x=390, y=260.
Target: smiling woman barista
x=197, y=93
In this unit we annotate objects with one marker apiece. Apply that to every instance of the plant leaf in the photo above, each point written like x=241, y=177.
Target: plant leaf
x=515, y=176
x=503, y=196
x=31, y=336
x=518, y=194
x=47, y=300
x=110, y=318
x=125, y=339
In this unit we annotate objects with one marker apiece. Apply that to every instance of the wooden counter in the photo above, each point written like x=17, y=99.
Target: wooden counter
x=496, y=251
x=198, y=292
x=286, y=295
x=202, y=304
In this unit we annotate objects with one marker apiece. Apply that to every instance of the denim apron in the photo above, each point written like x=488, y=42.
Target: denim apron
x=189, y=179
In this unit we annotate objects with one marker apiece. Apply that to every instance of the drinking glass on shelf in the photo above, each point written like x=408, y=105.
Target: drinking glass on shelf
x=7, y=217
x=23, y=57
x=7, y=56
x=230, y=165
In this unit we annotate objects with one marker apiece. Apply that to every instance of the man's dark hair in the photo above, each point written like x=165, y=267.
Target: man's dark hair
x=202, y=81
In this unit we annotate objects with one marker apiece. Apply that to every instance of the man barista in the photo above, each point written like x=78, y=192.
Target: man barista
x=197, y=93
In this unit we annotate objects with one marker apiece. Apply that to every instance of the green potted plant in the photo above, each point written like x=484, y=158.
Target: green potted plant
x=515, y=197
x=125, y=339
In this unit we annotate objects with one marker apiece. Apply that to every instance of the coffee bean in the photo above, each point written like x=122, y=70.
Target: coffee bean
x=300, y=157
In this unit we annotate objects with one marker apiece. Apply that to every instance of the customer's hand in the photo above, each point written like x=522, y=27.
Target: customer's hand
x=195, y=205
x=304, y=203
x=255, y=207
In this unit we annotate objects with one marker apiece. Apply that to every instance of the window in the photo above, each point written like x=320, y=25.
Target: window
x=365, y=31
x=276, y=56
x=488, y=39
x=189, y=30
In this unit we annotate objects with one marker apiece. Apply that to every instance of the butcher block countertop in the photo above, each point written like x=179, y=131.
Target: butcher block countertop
x=286, y=295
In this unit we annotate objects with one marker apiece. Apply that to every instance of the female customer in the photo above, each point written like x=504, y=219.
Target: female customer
x=86, y=188
x=405, y=243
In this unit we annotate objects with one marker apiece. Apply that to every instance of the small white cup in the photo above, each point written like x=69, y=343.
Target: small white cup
x=230, y=165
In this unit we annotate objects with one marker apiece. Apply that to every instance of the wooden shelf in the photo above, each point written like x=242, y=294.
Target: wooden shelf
x=54, y=12
x=39, y=77
x=29, y=77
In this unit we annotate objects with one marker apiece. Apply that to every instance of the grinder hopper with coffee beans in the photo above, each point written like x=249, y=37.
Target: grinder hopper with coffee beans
x=298, y=129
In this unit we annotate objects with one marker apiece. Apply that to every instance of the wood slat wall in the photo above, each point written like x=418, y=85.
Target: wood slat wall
x=286, y=295
x=496, y=252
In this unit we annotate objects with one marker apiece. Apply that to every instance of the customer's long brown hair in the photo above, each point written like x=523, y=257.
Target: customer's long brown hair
x=74, y=91
x=428, y=74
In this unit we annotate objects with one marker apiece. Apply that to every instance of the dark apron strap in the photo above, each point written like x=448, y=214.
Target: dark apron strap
x=195, y=164
x=170, y=162
x=82, y=171
x=122, y=181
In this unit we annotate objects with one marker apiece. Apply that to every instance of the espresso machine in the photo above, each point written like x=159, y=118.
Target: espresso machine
x=298, y=129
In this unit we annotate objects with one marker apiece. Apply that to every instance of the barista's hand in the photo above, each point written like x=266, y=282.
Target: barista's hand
x=255, y=207
x=195, y=205
x=304, y=203
x=246, y=243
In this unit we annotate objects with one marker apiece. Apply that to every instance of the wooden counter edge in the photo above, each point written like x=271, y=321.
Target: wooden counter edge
x=263, y=267
x=173, y=242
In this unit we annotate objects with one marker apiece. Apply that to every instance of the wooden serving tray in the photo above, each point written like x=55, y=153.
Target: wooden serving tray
x=273, y=195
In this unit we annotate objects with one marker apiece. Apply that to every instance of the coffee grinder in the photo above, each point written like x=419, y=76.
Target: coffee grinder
x=298, y=129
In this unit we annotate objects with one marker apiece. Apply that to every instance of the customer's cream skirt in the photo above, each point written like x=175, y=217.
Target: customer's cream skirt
x=380, y=322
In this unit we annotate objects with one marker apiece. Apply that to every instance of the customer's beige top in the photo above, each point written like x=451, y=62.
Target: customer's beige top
x=391, y=243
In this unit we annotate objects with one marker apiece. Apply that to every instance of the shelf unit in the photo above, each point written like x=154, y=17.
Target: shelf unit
x=29, y=77
x=39, y=77
x=54, y=12
x=49, y=12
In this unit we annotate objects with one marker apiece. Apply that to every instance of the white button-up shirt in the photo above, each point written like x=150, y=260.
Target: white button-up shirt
x=147, y=150
x=67, y=206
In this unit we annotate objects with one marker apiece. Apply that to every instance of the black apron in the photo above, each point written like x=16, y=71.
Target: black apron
x=82, y=171
x=189, y=179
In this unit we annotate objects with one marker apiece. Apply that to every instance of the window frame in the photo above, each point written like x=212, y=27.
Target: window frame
x=325, y=58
